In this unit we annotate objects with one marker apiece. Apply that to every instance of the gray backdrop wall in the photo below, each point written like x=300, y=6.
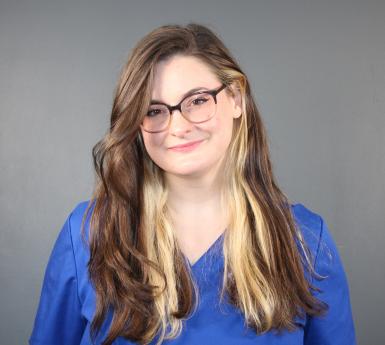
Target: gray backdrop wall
x=317, y=69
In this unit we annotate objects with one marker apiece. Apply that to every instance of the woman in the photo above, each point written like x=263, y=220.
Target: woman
x=187, y=238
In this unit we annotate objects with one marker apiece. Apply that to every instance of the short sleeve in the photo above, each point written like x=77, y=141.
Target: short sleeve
x=336, y=327
x=58, y=319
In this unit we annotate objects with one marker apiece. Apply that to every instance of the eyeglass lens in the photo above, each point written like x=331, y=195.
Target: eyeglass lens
x=196, y=108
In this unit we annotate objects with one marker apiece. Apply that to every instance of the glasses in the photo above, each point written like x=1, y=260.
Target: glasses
x=196, y=108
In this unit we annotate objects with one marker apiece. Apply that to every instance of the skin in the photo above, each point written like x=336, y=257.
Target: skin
x=193, y=178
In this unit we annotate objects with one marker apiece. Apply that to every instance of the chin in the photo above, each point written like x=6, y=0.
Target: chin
x=187, y=171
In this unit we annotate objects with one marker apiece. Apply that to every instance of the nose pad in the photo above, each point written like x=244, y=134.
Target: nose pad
x=179, y=123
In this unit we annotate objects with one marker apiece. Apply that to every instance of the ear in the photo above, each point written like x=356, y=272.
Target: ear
x=236, y=99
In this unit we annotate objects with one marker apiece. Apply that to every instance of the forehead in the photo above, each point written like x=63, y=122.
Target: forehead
x=178, y=74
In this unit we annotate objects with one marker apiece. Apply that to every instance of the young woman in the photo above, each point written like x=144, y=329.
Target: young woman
x=187, y=238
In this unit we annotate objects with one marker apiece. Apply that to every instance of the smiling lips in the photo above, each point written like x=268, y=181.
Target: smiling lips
x=186, y=147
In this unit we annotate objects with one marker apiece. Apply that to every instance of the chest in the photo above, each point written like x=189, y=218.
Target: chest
x=214, y=322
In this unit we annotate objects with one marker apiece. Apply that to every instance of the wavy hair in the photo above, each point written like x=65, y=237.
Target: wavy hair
x=136, y=266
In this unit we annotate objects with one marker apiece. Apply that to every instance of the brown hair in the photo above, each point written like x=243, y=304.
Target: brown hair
x=135, y=263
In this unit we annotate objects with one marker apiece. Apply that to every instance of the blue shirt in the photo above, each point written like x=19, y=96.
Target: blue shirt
x=67, y=300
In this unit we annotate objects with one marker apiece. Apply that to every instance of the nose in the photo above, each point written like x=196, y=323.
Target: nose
x=178, y=124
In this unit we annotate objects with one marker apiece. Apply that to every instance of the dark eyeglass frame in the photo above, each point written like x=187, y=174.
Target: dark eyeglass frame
x=171, y=108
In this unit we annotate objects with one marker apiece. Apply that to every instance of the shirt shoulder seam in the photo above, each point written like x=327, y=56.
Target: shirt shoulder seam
x=74, y=258
x=319, y=243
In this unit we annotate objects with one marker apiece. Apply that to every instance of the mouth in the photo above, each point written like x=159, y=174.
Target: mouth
x=186, y=147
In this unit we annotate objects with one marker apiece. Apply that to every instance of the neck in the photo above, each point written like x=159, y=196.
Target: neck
x=196, y=212
x=194, y=195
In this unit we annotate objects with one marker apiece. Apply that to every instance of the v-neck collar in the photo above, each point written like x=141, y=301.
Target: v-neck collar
x=209, y=253
x=207, y=270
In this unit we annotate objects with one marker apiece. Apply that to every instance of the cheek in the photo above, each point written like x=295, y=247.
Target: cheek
x=152, y=140
x=221, y=129
x=152, y=144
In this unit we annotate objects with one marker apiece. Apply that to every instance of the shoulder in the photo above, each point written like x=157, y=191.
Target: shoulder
x=81, y=252
x=79, y=238
x=315, y=233
x=309, y=223
x=80, y=244
x=325, y=256
x=337, y=325
x=75, y=219
x=305, y=216
x=78, y=211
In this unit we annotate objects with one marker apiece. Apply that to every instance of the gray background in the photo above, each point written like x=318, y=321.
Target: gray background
x=317, y=69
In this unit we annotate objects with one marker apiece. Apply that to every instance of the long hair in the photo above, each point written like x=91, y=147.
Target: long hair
x=136, y=266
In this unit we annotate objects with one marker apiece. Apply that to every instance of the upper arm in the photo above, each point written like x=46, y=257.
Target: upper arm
x=58, y=319
x=337, y=326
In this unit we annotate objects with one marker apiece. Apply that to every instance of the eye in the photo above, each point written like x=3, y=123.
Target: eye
x=153, y=112
x=199, y=101
x=156, y=111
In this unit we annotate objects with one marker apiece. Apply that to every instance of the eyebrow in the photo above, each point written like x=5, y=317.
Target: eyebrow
x=188, y=93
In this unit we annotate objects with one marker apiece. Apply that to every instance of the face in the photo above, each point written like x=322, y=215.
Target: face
x=173, y=78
